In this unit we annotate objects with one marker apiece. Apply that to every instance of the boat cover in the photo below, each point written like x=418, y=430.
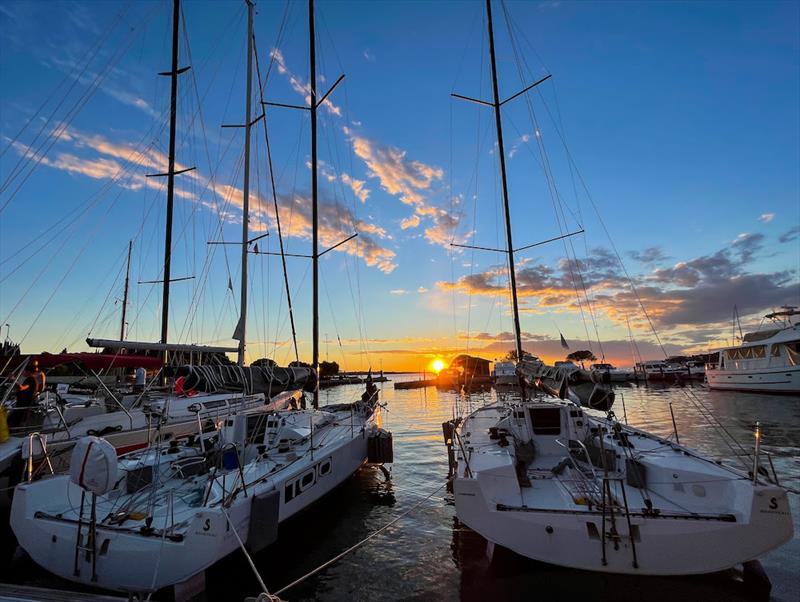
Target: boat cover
x=94, y=465
x=269, y=380
x=588, y=386
x=761, y=335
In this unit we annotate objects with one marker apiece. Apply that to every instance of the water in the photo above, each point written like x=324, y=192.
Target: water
x=427, y=555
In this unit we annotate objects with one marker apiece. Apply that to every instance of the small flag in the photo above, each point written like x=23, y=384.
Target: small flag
x=563, y=341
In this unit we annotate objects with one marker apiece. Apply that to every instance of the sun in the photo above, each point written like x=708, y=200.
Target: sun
x=438, y=365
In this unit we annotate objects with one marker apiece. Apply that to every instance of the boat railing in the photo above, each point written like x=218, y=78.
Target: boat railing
x=572, y=460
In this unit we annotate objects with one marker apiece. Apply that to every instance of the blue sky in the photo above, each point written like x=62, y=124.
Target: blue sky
x=681, y=119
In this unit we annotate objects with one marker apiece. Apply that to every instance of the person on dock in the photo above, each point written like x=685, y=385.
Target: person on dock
x=28, y=389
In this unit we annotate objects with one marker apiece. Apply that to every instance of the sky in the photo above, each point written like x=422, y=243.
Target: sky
x=669, y=133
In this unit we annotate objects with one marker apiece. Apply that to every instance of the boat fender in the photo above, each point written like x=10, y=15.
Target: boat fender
x=263, y=529
x=93, y=465
x=3, y=425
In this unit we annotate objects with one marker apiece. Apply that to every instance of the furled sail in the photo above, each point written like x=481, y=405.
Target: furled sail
x=269, y=380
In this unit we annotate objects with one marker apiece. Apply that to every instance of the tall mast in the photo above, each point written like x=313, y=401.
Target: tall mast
x=242, y=328
x=501, y=152
x=173, y=110
x=314, y=199
x=125, y=294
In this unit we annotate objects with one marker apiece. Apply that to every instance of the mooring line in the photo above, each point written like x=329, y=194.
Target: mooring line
x=362, y=542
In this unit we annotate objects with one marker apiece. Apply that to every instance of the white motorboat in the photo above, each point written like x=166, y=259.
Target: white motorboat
x=614, y=375
x=172, y=510
x=552, y=483
x=767, y=361
x=505, y=374
x=658, y=370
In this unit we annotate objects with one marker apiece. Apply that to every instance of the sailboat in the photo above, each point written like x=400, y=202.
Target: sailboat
x=546, y=479
x=128, y=420
x=167, y=513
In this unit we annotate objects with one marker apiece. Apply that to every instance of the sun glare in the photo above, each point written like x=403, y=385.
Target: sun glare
x=438, y=365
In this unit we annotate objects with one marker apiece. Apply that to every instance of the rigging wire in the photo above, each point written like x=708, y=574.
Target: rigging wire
x=275, y=204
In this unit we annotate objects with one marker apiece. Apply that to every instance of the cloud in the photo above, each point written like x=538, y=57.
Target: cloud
x=398, y=291
x=524, y=139
x=648, y=255
x=398, y=175
x=696, y=292
x=121, y=162
x=369, y=56
x=422, y=290
x=302, y=87
x=443, y=229
x=358, y=187
x=790, y=235
x=766, y=217
x=410, y=222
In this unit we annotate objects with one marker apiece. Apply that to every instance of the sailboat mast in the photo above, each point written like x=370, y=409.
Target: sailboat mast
x=502, y=154
x=125, y=294
x=314, y=199
x=246, y=185
x=173, y=111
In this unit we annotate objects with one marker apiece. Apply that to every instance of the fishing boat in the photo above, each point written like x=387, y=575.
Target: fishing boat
x=767, y=361
x=546, y=479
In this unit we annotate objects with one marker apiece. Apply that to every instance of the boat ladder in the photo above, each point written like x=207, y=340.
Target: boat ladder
x=608, y=504
x=90, y=548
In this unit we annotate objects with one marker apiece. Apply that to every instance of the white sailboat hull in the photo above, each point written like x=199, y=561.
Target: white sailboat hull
x=780, y=379
x=664, y=546
x=133, y=562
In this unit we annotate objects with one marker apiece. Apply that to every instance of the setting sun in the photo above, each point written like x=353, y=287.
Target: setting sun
x=438, y=365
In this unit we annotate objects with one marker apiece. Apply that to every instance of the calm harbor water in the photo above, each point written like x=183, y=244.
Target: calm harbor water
x=427, y=555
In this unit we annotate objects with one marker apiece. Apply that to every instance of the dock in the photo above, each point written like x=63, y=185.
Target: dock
x=26, y=593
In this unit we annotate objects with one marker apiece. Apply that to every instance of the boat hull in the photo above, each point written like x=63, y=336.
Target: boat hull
x=784, y=379
x=130, y=561
x=664, y=546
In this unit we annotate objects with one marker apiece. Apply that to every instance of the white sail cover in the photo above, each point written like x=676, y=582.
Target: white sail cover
x=94, y=465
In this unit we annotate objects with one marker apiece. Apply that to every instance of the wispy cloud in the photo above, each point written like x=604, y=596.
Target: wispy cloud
x=398, y=175
x=790, y=235
x=410, y=222
x=113, y=161
x=299, y=85
x=357, y=186
x=766, y=217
